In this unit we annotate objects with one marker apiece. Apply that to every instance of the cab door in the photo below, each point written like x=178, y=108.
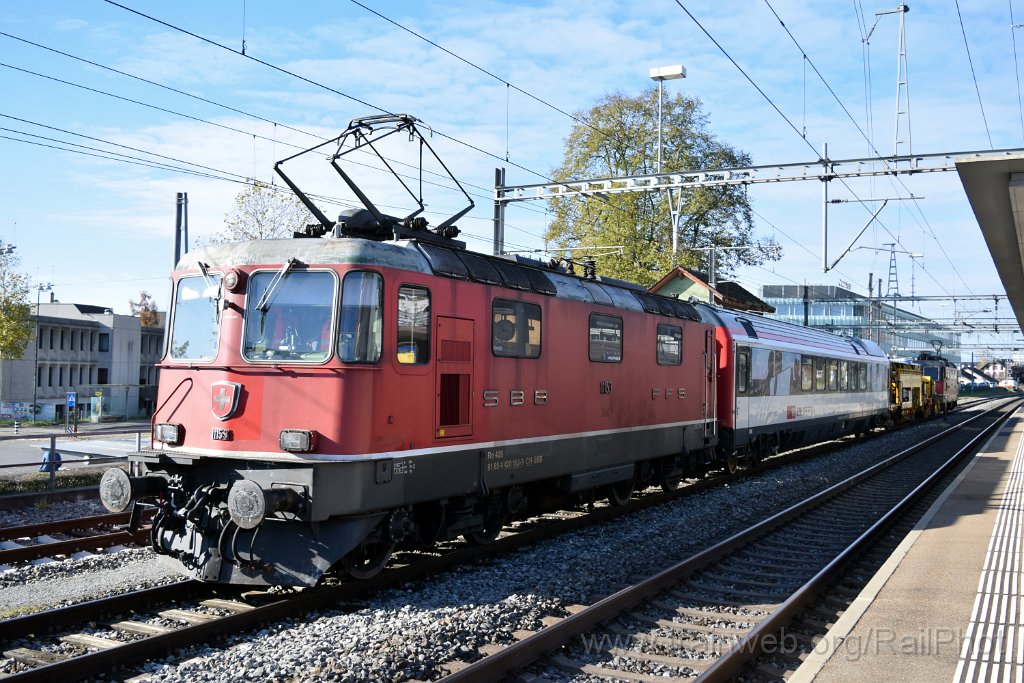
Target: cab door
x=453, y=415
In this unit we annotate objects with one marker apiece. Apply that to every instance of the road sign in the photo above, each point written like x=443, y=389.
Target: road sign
x=72, y=397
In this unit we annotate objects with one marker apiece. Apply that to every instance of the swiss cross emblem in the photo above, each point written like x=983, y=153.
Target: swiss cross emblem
x=225, y=398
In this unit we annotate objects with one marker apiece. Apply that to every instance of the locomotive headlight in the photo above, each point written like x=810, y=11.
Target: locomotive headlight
x=234, y=280
x=297, y=440
x=169, y=433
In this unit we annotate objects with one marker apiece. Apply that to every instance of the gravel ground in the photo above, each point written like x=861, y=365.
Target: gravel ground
x=51, y=512
x=405, y=634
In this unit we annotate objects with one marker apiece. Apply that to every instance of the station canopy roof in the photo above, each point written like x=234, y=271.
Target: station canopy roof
x=995, y=188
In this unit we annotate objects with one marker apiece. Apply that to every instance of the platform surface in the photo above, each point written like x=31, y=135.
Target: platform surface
x=946, y=606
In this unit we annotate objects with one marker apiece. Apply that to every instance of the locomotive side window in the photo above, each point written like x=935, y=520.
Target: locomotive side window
x=288, y=316
x=413, y=325
x=360, y=329
x=515, y=329
x=605, y=338
x=806, y=374
x=670, y=345
x=195, y=330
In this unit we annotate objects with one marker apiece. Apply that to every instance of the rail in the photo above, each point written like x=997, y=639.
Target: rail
x=538, y=645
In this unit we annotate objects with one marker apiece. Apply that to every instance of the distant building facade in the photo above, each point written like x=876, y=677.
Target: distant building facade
x=900, y=333
x=108, y=360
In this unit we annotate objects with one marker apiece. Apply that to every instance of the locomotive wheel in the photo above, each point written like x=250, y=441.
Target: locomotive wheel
x=619, y=492
x=670, y=481
x=370, y=559
x=484, y=536
x=732, y=464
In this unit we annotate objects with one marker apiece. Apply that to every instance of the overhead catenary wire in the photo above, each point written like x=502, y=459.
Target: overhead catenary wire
x=876, y=152
x=317, y=84
x=974, y=76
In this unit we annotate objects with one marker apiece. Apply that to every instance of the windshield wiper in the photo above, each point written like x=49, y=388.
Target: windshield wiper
x=271, y=289
x=204, y=268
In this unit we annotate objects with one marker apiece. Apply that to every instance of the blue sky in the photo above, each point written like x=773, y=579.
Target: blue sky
x=102, y=230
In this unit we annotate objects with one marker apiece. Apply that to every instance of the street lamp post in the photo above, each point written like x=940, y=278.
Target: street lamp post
x=662, y=74
x=40, y=288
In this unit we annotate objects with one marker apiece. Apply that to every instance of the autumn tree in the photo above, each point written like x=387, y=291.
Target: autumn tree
x=145, y=310
x=263, y=212
x=15, y=309
x=620, y=138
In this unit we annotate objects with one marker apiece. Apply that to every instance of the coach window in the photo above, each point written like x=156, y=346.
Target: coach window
x=819, y=374
x=806, y=374
x=360, y=328
x=515, y=329
x=844, y=376
x=833, y=375
x=605, y=338
x=288, y=316
x=194, y=328
x=670, y=344
x=413, y=343
x=862, y=376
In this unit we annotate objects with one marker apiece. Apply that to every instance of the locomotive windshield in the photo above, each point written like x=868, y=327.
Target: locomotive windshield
x=195, y=331
x=288, y=316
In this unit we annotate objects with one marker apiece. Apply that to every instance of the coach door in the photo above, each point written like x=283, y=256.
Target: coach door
x=742, y=393
x=710, y=398
x=454, y=385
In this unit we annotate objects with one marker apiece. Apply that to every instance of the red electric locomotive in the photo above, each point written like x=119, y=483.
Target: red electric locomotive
x=944, y=375
x=325, y=400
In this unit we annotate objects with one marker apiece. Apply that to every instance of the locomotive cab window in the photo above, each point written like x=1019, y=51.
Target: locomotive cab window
x=360, y=328
x=670, y=344
x=515, y=329
x=413, y=343
x=195, y=329
x=605, y=338
x=288, y=316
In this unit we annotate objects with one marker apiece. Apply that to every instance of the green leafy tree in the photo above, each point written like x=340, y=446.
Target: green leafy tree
x=621, y=139
x=16, y=324
x=263, y=212
x=145, y=310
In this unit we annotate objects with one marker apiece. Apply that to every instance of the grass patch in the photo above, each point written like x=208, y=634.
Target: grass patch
x=40, y=481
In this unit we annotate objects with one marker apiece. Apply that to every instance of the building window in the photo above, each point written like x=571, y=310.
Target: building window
x=60, y=375
x=92, y=375
x=81, y=374
x=39, y=377
x=102, y=376
x=74, y=337
x=104, y=342
x=39, y=338
x=92, y=341
x=51, y=339
x=49, y=376
x=62, y=340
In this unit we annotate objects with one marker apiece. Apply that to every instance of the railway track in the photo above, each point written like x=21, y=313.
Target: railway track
x=86, y=534
x=709, y=615
x=91, y=638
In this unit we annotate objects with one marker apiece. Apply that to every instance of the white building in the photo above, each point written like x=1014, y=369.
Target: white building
x=107, y=360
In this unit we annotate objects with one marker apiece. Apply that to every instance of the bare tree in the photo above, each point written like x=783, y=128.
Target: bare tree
x=263, y=212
